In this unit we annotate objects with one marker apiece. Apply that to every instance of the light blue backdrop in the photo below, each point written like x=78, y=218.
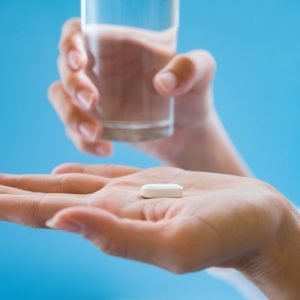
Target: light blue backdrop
x=257, y=46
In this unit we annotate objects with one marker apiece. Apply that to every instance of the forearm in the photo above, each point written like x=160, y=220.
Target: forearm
x=207, y=149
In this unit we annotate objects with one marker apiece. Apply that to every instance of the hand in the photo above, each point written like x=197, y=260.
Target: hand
x=222, y=220
x=187, y=77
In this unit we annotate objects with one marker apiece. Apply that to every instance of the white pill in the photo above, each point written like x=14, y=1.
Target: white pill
x=162, y=190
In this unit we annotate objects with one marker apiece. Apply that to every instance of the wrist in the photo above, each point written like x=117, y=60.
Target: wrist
x=186, y=147
x=206, y=147
x=193, y=144
x=275, y=268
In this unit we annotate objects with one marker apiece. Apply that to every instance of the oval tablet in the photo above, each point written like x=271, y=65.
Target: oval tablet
x=162, y=190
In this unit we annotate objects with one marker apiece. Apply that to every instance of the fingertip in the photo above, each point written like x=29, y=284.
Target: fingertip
x=166, y=83
x=104, y=149
x=178, y=77
x=53, y=89
x=61, y=215
x=90, y=132
x=64, y=168
x=79, y=219
x=86, y=100
x=66, y=220
x=71, y=25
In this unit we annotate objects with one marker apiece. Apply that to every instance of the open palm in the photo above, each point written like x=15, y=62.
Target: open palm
x=219, y=220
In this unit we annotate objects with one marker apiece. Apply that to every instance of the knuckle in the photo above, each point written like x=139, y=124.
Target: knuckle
x=72, y=24
x=63, y=180
x=185, y=64
x=71, y=117
x=185, y=59
x=111, y=247
x=107, y=246
x=36, y=203
x=54, y=90
x=176, y=270
x=207, y=57
x=66, y=43
x=72, y=81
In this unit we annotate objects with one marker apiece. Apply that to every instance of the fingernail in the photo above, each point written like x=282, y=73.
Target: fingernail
x=65, y=225
x=89, y=131
x=74, y=59
x=101, y=151
x=168, y=81
x=85, y=99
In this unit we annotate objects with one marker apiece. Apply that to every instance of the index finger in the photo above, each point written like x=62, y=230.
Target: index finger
x=109, y=171
x=71, y=36
x=71, y=44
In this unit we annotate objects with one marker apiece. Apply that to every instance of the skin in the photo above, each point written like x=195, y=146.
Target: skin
x=221, y=220
x=187, y=77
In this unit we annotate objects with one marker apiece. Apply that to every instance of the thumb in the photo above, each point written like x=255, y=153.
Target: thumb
x=138, y=240
x=184, y=73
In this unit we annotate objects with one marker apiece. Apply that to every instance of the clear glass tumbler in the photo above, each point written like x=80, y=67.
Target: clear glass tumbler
x=128, y=42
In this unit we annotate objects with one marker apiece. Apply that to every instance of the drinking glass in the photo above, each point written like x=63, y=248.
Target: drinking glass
x=128, y=42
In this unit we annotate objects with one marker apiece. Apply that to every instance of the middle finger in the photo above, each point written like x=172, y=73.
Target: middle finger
x=34, y=209
x=78, y=85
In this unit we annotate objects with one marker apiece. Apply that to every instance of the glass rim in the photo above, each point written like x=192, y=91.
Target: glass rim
x=83, y=13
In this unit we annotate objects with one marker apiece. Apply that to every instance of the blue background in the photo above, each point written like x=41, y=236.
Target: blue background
x=257, y=46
